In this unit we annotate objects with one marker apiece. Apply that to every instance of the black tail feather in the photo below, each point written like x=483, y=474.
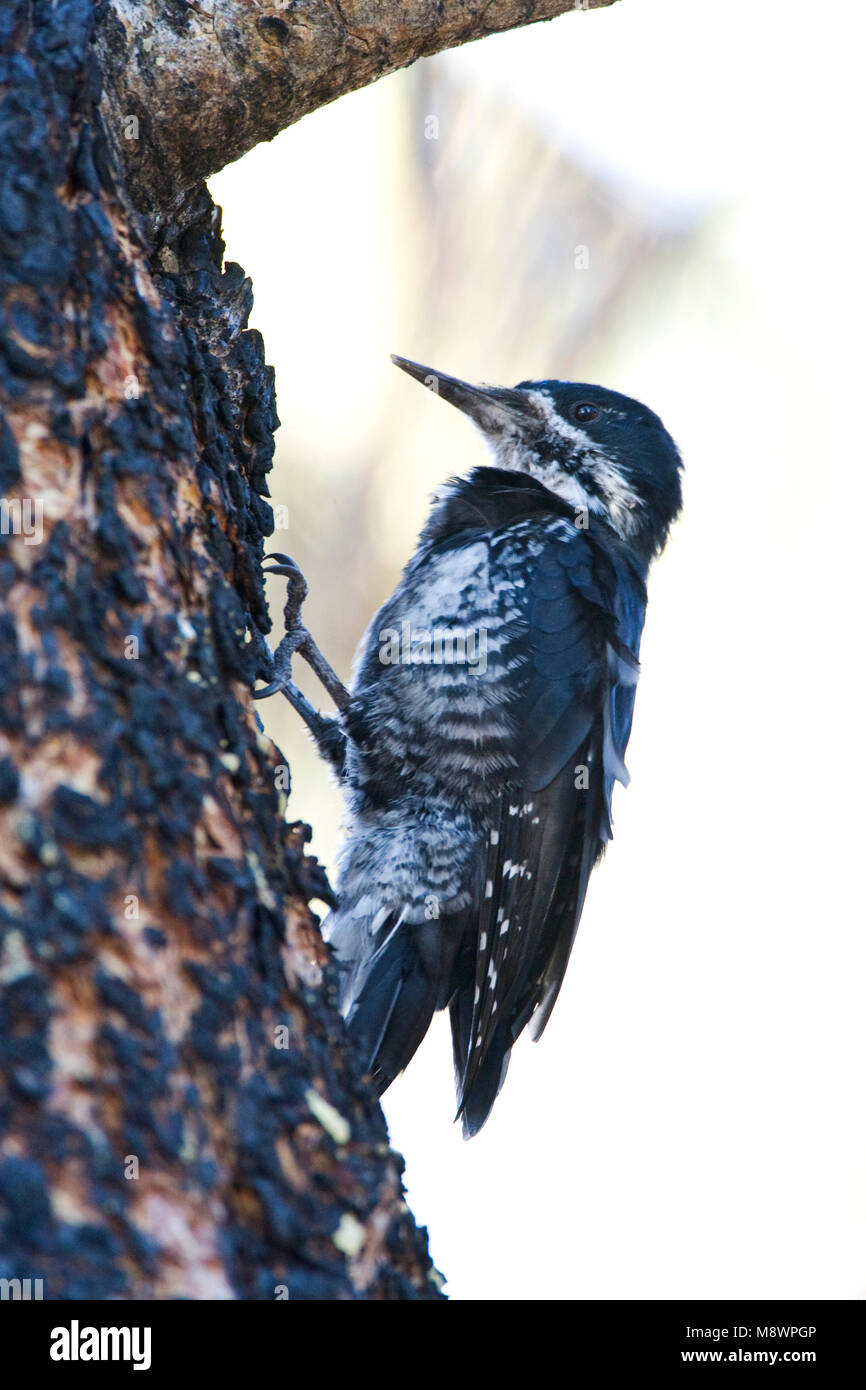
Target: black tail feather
x=393, y=1005
x=476, y=1101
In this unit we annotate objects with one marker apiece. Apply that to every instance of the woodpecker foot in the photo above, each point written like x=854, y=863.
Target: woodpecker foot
x=325, y=729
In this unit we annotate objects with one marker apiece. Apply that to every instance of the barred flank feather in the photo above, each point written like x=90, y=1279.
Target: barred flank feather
x=480, y=799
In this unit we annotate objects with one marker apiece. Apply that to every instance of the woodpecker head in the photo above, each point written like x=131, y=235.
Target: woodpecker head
x=601, y=452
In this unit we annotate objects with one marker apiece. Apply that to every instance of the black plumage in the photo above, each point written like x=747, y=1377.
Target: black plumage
x=480, y=799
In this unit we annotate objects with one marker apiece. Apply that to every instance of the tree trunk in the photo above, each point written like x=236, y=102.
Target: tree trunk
x=180, y=1114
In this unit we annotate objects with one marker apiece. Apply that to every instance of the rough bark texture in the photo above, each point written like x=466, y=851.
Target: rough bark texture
x=200, y=82
x=179, y=1115
x=155, y=1138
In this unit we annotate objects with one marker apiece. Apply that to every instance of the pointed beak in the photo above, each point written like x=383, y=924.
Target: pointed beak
x=496, y=410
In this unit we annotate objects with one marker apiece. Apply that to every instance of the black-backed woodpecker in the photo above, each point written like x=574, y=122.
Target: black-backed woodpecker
x=486, y=722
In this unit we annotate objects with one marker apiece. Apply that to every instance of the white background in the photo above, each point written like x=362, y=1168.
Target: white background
x=692, y=1123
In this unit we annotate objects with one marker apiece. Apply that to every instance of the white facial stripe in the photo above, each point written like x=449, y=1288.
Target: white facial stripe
x=623, y=504
x=616, y=498
x=555, y=423
x=612, y=497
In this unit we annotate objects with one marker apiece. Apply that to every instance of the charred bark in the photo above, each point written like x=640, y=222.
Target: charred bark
x=179, y=1115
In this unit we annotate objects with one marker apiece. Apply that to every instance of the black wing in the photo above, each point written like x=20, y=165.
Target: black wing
x=585, y=608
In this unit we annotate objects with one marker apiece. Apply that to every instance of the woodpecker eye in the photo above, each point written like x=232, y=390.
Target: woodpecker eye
x=583, y=413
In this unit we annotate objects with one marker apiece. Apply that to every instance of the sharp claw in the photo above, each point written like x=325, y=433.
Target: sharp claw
x=298, y=640
x=285, y=566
